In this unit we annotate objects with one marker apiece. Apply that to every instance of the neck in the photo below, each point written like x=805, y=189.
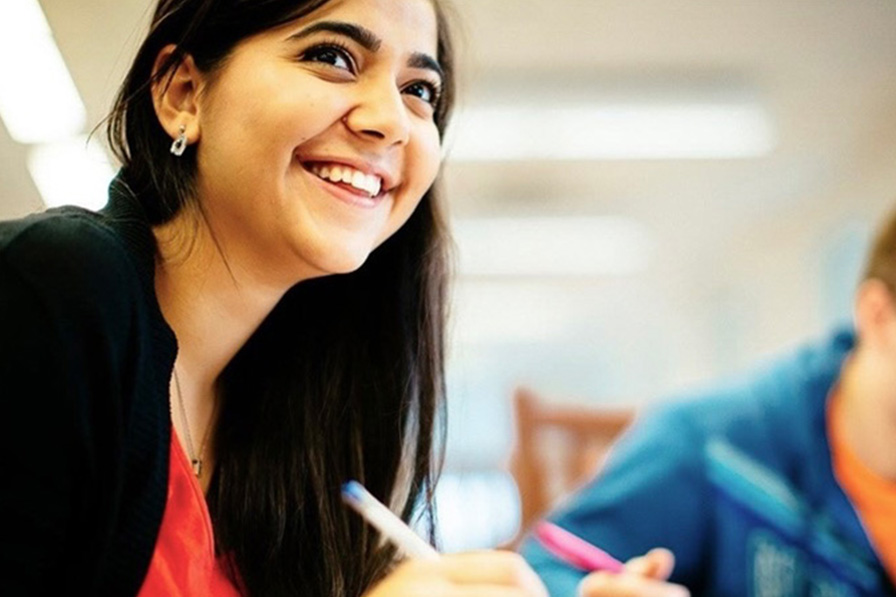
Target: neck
x=212, y=303
x=869, y=412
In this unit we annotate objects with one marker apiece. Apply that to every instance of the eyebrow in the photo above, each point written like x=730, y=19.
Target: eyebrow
x=368, y=40
x=365, y=37
x=425, y=61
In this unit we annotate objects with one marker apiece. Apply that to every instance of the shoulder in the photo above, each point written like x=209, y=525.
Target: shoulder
x=67, y=234
x=771, y=411
x=780, y=390
x=679, y=429
x=67, y=253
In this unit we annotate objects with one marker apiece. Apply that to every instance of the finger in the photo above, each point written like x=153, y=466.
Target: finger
x=657, y=564
x=606, y=584
x=502, y=568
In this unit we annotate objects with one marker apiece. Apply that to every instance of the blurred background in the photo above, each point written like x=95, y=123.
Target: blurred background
x=646, y=194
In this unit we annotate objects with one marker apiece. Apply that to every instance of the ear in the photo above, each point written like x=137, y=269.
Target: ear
x=176, y=96
x=875, y=313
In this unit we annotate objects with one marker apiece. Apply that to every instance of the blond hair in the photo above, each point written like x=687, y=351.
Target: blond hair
x=881, y=260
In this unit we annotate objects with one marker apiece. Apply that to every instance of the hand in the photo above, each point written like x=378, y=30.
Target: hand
x=473, y=574
x=644, y=576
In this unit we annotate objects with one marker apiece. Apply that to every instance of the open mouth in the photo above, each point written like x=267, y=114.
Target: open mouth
x=368, y=185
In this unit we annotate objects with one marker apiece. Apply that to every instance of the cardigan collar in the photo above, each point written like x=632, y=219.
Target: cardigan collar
x=125, y=214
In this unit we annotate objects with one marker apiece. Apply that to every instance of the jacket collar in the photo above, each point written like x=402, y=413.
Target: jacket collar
x=124, y=213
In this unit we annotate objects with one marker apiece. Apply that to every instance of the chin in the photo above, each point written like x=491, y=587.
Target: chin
x=341, y=261
x=348, y=267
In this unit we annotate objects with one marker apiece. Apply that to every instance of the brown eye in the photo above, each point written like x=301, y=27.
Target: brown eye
x=331, y=55
x=426, y=91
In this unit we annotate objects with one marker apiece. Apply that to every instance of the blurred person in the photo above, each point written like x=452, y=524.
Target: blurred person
x=256, y=317
x=780, y=483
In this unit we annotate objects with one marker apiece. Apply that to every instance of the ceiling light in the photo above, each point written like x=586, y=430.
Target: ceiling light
x=552, y=246
x=612, y=131
x=38, y=99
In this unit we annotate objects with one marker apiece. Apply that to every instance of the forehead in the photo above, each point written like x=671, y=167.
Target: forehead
x=404, y=25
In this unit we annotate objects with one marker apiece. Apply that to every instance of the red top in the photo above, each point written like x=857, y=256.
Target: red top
x=184, y=562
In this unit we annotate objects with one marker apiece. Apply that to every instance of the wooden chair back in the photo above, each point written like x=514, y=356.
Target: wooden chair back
x=557, y=448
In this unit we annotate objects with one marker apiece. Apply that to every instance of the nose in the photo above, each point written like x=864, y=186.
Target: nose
x=380, y=114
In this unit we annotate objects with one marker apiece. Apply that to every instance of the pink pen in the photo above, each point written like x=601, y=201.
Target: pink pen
x=574, y=550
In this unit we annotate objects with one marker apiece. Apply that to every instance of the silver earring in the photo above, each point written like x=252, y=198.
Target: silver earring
x=180, y=144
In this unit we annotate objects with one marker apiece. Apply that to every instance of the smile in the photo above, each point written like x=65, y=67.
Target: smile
x=340, y=173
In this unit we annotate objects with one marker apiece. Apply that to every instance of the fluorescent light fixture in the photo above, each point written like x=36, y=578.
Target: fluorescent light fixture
x=552, y=246
x=38, y=99
x=71, y=172
x=512, y=311
x=612, y=131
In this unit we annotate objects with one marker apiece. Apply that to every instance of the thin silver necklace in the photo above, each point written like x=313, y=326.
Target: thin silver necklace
x=195, y=459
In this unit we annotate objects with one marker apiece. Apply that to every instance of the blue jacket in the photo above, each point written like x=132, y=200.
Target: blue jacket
x=738, y=484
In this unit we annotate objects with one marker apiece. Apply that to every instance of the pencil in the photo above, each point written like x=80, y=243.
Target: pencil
x=575, y=550
x=381, y=518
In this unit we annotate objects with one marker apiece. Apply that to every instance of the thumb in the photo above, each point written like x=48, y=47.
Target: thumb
x=656, y=564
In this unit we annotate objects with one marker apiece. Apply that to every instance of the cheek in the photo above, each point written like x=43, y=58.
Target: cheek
x=421, y=168
x=426, y=158
x=258, y=122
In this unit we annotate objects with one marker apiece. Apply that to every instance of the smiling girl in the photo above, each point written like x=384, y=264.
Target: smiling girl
x=255, y=317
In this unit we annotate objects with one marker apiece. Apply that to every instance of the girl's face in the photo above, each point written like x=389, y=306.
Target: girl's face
x=317, y=139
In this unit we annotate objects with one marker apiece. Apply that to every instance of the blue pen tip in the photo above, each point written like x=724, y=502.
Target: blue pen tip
x=352, y=490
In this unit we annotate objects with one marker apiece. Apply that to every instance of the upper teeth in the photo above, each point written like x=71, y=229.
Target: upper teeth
x=366, y=182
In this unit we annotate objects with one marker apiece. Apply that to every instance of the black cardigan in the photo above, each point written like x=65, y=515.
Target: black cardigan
x=85, y=364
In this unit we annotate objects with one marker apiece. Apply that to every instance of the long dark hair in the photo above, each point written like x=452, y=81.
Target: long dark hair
x=344, y=379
